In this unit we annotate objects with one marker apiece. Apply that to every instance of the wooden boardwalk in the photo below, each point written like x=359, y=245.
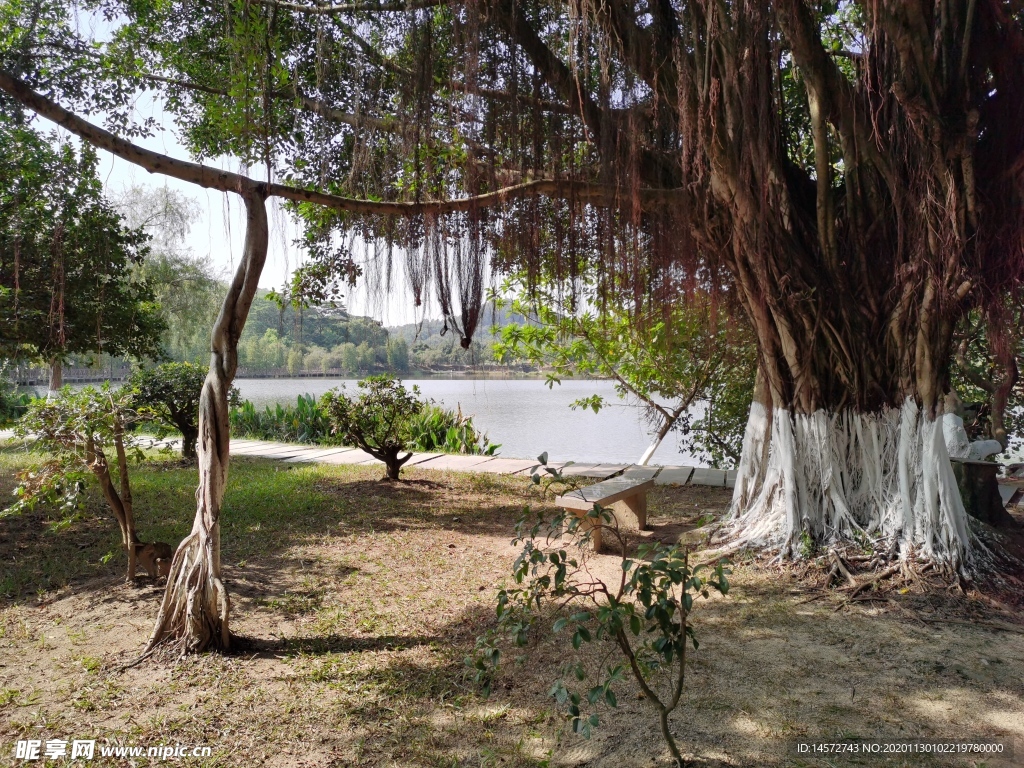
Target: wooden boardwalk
x=494, y=464
x=296, y=453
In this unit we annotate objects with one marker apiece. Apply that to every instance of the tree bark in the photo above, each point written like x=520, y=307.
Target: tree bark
x=195, y=609
x=668, y=419
x=120, y=503
x=750, y=472
x=392, y=463
x=56, y=378
x=189, y=444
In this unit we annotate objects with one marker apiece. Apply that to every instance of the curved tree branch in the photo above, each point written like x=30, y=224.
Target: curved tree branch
x=226, y=181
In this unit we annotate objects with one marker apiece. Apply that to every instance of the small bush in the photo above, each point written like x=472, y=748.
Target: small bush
x=377, y=420
x=86, y=433
x=433, y=428
x=171, y=392
x=644, y=616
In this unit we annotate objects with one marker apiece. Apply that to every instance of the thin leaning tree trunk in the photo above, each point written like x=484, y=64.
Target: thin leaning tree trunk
x=56, y=379
x=195, y=608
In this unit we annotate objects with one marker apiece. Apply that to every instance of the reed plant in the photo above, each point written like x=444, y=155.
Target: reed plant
x=304, y=422
x=439, y=429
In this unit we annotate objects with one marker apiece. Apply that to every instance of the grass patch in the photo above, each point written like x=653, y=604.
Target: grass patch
x=354, y=603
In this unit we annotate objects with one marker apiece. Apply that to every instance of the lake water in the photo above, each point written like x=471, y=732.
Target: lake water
x=523, y=415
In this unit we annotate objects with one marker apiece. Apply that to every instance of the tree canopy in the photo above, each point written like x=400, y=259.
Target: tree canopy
x=67, y=259
x=792, y=155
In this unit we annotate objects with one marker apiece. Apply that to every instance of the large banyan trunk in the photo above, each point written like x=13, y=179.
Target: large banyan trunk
x=195, y=607
x=854, y=278
x=844, y=438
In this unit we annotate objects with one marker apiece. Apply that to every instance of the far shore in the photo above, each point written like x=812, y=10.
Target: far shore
x=95, y=377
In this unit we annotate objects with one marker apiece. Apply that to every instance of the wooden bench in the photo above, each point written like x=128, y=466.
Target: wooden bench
x=617, y=495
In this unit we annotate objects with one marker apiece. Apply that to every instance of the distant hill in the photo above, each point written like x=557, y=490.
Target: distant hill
x=330, y=341
x=431, y=346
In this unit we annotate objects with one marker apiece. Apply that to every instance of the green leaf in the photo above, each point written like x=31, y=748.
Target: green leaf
x=635, y=624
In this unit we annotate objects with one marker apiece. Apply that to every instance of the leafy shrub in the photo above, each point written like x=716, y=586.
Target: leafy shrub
x=305, y=422
x=171, y=392
x=438, y=429
x=431, y=429
x=645, y=615
x=13, y=404
x=89, y=432
x=377, y=420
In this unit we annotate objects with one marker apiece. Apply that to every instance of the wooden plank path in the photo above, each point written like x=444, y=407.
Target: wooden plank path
x=298, y=453
x=295, y=453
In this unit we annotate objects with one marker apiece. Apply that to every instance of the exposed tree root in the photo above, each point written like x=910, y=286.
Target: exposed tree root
x=905, y=582
x=892, y=569
x=839, y=567
x=195, y=608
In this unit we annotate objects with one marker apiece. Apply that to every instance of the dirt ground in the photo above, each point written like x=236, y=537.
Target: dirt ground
x=355, y=603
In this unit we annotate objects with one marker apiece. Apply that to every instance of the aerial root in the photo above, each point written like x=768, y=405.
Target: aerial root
x=892, y=569
x=860, y=576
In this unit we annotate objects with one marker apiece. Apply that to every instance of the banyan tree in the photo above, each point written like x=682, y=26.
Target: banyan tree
x=848, y=176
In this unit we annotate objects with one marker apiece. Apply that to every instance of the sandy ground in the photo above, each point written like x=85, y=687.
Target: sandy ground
x=352, y=634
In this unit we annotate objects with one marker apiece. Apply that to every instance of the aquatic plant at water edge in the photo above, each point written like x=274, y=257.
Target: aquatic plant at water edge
x=439, y=429
x=305, y=422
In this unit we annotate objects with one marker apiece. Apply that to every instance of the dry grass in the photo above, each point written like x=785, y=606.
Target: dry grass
x=356, y=601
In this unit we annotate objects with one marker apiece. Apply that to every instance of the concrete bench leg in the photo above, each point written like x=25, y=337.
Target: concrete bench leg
x=637, y=505
x=589, y=524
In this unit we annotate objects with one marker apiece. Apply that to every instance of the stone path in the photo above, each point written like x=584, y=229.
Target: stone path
x=292, y=452
x=494, y=464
